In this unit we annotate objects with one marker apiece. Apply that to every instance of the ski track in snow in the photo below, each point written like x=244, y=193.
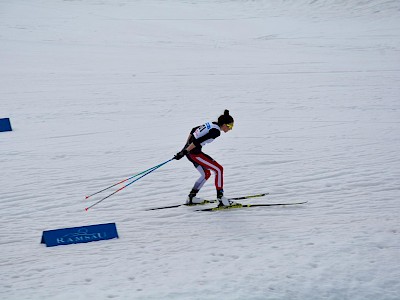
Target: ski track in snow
x=100, y=90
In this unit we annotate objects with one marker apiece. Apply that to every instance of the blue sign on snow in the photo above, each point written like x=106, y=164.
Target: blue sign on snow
x=5, y=125
x=76, y=235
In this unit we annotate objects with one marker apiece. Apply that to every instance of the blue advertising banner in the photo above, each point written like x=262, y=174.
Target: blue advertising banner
x=83, y=234
x=5, y=125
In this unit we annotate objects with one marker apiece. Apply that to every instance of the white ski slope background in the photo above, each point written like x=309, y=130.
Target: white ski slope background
x=99, y=90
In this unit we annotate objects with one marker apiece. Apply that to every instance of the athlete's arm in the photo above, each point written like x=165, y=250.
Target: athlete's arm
x=190, y=147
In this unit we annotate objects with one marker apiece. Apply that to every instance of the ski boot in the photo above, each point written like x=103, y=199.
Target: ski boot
x=192, y=199
x=222, y=201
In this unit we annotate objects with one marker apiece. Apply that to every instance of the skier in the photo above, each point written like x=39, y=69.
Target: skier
x=198, y=137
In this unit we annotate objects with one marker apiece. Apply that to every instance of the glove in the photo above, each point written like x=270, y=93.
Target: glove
x=181, y=154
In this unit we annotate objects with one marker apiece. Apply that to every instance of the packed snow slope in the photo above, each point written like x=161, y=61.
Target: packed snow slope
x=98, y=90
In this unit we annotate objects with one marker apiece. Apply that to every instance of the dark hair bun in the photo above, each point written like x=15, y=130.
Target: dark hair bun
x=226, y=118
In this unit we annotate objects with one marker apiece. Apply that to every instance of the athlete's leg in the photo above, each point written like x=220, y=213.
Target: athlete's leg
x=204, y=175
x=208, y=163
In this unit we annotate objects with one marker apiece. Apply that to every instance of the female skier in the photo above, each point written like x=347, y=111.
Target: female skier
x=198, y=137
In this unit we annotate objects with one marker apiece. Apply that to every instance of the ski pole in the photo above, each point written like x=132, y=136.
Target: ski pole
x=121, y=188
x=122, y=181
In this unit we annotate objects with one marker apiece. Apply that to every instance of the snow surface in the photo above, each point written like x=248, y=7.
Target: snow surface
x=98, y=90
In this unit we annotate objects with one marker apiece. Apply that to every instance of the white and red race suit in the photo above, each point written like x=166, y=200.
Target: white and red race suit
x=204, y=163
